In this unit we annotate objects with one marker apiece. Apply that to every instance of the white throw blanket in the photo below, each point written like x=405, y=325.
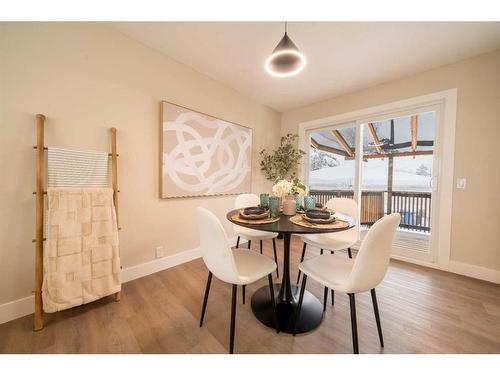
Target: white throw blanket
x=81, y=257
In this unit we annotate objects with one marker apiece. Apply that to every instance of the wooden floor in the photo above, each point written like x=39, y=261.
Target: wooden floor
x=422, y=311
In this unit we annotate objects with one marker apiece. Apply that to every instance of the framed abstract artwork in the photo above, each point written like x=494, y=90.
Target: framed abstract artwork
x=202, y=155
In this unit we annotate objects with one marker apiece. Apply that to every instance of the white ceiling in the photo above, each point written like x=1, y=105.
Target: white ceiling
x=341, y=57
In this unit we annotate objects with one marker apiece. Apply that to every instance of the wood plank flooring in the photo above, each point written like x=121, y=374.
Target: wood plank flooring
x=422, y=311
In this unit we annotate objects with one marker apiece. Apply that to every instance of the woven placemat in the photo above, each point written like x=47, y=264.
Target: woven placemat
x=337, y=224
x=269, y=220
x=264, y=215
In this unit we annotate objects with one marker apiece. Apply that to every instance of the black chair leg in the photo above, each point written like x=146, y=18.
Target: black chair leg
x=243, y=290
x=261, y=251
x=333, y=297
x=205, y=299
x=377, y=317
x=321, y=252
x=249, y=244
x=299, y=305
x=273, y=302
x=301, y=260
x=238, y=242
x=233, y=318
x=349, y=253
x=325, y=298
x=276, y=259
x=354, y=324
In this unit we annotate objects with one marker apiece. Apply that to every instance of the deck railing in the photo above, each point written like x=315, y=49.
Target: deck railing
x=414, y=207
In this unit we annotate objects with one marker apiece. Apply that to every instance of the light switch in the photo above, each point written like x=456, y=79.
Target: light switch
x=461, y=182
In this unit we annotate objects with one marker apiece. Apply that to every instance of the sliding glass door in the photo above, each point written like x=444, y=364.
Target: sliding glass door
x=387, y=165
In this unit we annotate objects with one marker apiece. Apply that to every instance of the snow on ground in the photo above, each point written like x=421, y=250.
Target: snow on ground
x=374, y=176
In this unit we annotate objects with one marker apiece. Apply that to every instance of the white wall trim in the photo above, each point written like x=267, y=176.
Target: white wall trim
x=464, y=269
x=25, y=306
x=160, y=264
x=447, y=101
x=445, y=104
x=476, y=272
x=379, y=111
x=17, y=309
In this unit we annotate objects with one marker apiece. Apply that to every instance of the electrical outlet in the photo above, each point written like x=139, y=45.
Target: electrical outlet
x=159, y=252
x=461, y=183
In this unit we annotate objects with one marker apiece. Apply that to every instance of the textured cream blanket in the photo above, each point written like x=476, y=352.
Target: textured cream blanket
x=81, y=257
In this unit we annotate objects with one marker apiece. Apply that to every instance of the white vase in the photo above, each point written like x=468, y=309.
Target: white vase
x=289, y=206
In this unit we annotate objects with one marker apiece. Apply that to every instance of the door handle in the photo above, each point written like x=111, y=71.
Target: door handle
x=434, y=183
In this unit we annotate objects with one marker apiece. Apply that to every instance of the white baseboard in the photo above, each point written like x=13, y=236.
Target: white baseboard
x=470, y=270
x=157, y=265
x=16, y=309
x=25, y=306
x=476, y=272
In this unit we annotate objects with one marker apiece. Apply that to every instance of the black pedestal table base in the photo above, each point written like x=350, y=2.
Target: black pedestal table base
x=310, y=316
x=287, y=301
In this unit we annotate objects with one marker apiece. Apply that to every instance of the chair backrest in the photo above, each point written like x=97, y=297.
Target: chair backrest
x=349, y=207
x=216, y=252
x=246, y=200
x=373, y=256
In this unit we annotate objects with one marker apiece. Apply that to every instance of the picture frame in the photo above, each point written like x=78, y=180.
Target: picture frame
x=202, y=155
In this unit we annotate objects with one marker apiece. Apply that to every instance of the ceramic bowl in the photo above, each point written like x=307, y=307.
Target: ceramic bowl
x=254, y=211
x=318, y=214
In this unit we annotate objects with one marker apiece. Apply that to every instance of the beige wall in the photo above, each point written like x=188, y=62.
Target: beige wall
x=475, y=237
x=86, y=78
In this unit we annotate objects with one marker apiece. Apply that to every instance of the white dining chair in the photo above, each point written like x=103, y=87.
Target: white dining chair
x=235, y=267
x=252, y=200
x=336, y=241
x=350, y=276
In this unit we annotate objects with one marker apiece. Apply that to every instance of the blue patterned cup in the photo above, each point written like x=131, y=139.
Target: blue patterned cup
x=298, y=201
x=264, y=200
x=274, y=206
x=309, y=203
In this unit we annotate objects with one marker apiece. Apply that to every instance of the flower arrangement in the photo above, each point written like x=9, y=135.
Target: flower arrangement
x=283, y=188
x=299, y=188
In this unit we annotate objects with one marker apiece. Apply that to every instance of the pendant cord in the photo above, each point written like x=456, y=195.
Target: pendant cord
x=285, y=26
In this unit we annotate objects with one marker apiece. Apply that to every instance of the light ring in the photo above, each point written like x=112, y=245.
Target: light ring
x=301, y=57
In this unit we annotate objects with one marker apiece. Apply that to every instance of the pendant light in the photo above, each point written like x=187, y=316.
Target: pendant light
x=286, y=59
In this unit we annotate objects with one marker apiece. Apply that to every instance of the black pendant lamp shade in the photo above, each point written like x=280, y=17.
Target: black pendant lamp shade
x=286, y=59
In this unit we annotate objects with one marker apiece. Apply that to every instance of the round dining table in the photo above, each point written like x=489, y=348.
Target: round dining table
x=287, y=297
